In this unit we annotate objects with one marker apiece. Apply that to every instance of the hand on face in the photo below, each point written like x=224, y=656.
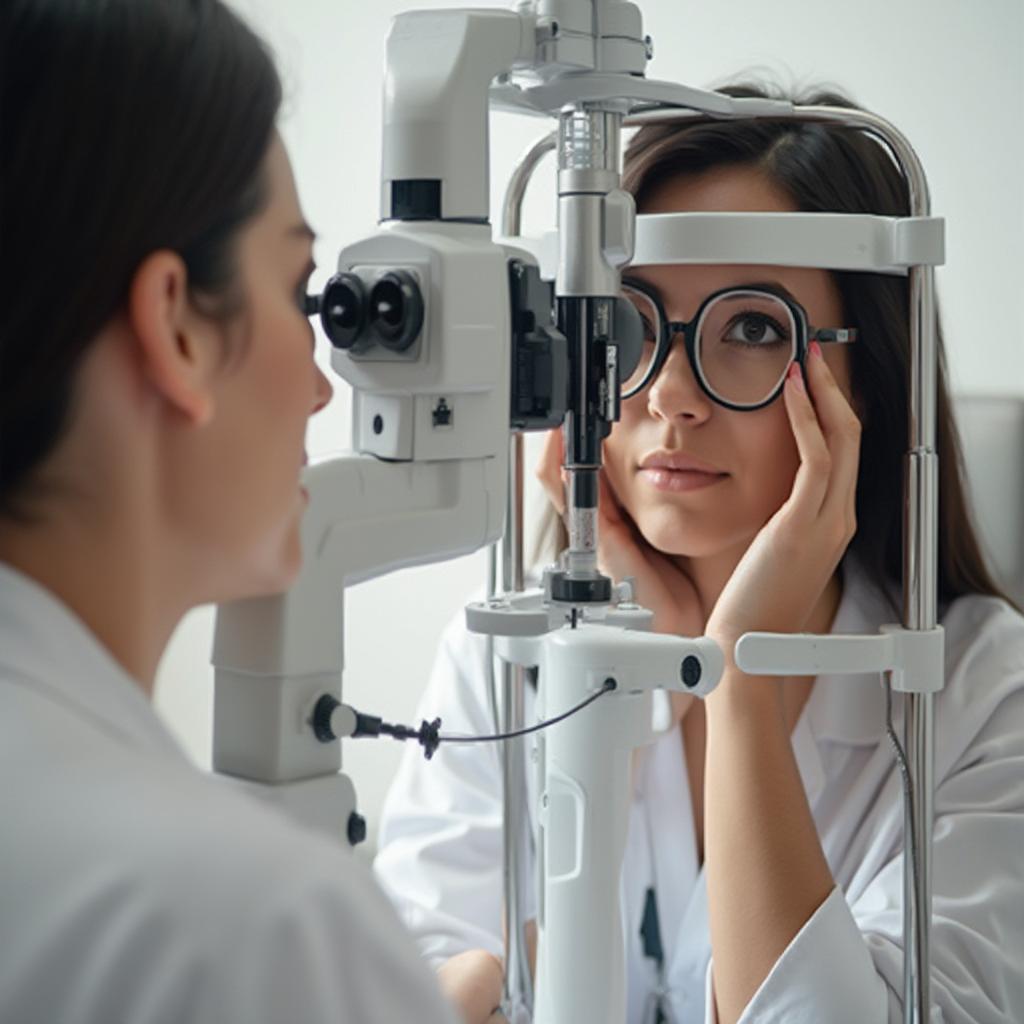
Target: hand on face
x=783, y=573
x=661, y=585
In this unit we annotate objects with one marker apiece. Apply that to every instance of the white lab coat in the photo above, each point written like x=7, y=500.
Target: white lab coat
x=134, y=889
x=440, y=856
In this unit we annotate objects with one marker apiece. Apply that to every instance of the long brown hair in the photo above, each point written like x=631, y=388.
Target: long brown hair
x=828, y=168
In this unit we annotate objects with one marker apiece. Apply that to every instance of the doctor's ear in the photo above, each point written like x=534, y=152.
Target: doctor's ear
x=180, y=351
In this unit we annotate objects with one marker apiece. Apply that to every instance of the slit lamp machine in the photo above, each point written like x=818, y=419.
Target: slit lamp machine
x=455, y=342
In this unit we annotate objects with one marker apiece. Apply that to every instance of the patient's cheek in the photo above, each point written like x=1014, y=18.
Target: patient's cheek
x=611, y=467
x=619, y=480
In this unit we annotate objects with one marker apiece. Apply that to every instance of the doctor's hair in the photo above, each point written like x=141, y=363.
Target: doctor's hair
x=836, y=169
x=128, y=127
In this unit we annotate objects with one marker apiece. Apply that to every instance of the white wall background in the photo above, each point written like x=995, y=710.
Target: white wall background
x=950, y=73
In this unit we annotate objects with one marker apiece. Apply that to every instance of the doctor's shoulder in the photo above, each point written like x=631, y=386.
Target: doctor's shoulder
x=301, y=920
x=192, y=901
x=291, y=919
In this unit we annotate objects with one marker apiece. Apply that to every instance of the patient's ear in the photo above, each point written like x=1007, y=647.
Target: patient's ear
x=179, y=350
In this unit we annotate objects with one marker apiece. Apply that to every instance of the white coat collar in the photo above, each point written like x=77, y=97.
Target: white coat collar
x=844, y=709
x=851, y=708
x=44, y=645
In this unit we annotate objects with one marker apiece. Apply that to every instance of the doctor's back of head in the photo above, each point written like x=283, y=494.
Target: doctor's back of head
x=156, y=358
x=156, y=380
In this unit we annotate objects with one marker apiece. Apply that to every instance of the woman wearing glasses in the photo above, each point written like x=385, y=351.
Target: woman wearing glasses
x=754, y=483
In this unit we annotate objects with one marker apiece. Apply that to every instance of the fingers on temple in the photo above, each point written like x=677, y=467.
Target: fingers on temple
x=813, y=475
x=842, y=431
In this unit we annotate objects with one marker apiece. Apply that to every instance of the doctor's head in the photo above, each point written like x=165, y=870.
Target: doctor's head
x=156, y=367
x=678, y=418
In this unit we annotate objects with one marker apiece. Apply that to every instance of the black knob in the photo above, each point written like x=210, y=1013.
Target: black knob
x=356, y=828
x=396, y=309
x=690, y=671
x=322, y=713
x=343, y=312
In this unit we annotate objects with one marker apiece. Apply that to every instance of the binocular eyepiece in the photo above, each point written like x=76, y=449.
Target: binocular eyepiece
x=391, y=314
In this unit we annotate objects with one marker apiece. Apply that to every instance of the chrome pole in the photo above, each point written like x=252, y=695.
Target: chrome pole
x=517, y=993
x=512, y=208
x=517, y=996
x=493, y=554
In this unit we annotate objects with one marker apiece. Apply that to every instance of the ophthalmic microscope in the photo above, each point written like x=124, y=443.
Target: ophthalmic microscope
x=452, y=340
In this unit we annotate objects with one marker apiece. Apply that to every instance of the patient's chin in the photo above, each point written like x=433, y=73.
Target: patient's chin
x=670, y=537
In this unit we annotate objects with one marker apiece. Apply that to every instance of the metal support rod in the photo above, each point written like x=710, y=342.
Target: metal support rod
x=517, y=996
x=493, y=554
x=920, y=529
x=517, y=993
x=512, y=208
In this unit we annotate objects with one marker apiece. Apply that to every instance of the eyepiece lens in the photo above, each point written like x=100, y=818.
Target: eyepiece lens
x=343, y=311
x=396, y=309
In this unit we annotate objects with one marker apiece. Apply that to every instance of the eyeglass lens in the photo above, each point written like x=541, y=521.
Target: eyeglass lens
x=745, y=341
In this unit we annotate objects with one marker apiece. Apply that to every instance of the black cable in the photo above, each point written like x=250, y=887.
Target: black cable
x=428, y=735
x=606, y=687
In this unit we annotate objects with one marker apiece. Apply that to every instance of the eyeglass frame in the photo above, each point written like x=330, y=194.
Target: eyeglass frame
x=805, y=334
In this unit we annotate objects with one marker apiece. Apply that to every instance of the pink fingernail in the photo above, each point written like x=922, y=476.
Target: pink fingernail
x=796, y=376
x=815, y=349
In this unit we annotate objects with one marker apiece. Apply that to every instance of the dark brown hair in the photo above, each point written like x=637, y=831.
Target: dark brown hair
x=127, y=127
x=828, y=168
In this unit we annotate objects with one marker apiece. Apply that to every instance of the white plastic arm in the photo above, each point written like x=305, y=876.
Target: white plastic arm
x=914, y=657
x=836, y=241
x=275, y=656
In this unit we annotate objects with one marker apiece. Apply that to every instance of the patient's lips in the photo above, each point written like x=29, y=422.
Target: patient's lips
x=678, y=472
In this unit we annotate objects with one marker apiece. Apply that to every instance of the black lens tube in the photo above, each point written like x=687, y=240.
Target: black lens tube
x=586, y=323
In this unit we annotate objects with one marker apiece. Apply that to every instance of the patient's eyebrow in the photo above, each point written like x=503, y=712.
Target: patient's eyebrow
x=770, y=286
x=776, y=287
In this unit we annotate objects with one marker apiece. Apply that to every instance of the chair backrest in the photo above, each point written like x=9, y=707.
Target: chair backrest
x=992, y=430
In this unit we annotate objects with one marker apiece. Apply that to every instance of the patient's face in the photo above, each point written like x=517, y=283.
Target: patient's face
x=754, y=452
